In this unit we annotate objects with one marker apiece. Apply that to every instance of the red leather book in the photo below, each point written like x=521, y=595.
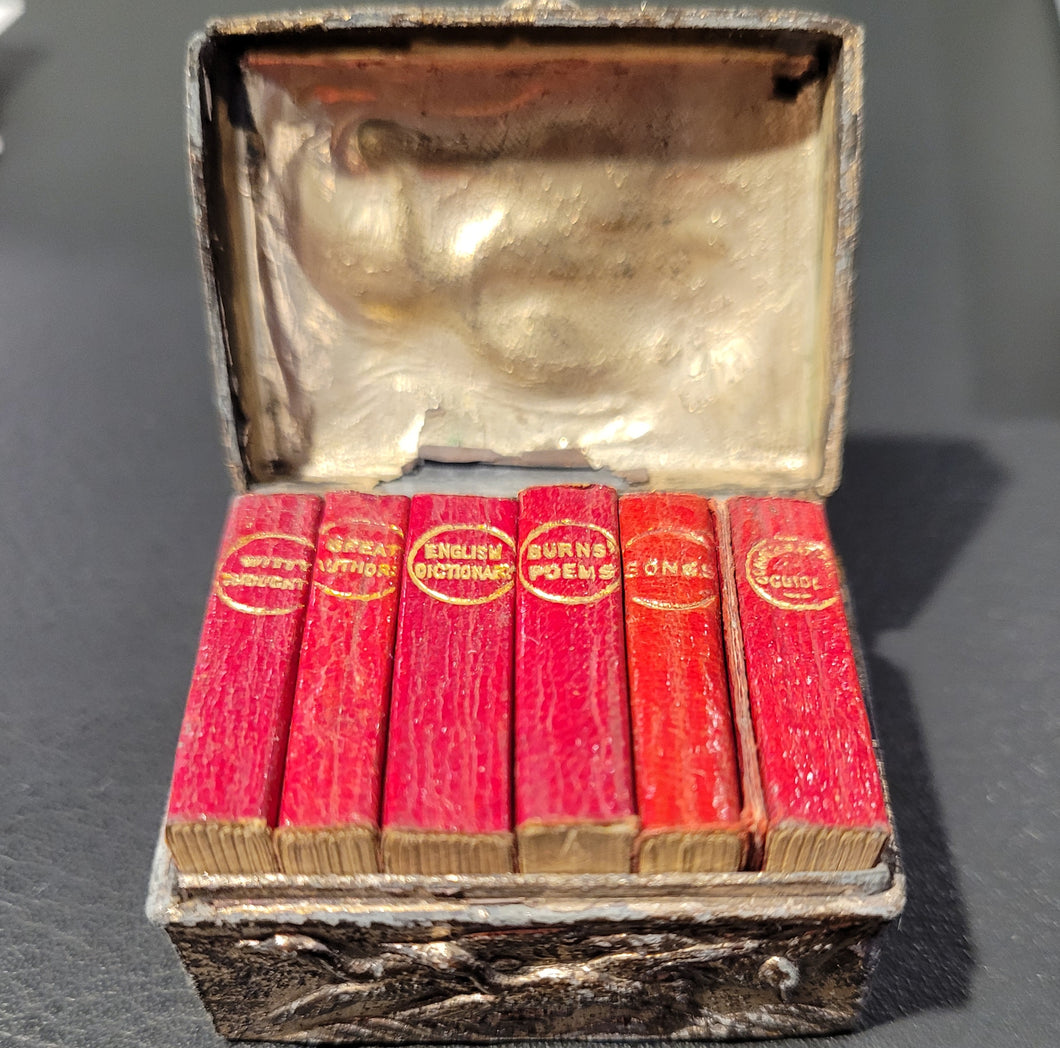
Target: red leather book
x=824, y=797
x=228, y=771
x=332, y=788
x=687, y=778
x=573, y=769
x=447, y=788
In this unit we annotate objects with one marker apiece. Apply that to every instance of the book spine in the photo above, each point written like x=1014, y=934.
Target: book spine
x=228, y=770
x=824, y=796
x=687, y=780
x=447, y=790
x=332, y=790
x=574, y=777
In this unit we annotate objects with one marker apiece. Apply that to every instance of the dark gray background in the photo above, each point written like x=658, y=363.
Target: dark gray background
x=113, y=495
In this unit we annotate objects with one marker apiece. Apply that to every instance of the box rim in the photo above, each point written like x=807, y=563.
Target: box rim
x=414, y=900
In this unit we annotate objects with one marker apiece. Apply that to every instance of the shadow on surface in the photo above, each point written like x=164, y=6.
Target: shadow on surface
x=903, y=513
x=927, y=957
x=905, y=509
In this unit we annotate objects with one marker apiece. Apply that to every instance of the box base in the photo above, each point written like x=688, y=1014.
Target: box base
x=385, y=959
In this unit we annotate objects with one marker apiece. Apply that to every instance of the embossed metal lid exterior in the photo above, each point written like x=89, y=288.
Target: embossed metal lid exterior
x=537, y=236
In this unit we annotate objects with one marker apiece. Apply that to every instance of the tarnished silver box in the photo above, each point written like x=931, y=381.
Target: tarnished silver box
x=532, y=235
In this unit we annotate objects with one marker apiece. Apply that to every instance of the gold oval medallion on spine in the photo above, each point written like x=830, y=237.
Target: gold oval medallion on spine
x=457, y=563
x=565, y=555
x=257, y=567
x=362, y=552
x=671, y=574
x=793, y=574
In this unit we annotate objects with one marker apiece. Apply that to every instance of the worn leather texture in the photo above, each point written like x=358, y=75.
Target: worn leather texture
x=334, y=765
x=811, y=726
x=448, y=754
x=683, y=743
x=572, y=744
x=230, y=752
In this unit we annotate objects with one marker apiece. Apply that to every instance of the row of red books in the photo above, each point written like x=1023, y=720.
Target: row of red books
x=460, y=684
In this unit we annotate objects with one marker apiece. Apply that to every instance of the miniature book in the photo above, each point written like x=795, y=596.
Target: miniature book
x=573, y=769
x=447, y=789
x=824, y=797
x=332, y=788
x=228, y=770
x=687, y=777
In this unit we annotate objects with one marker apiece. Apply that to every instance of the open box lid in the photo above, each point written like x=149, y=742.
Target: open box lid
x=539, y=236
